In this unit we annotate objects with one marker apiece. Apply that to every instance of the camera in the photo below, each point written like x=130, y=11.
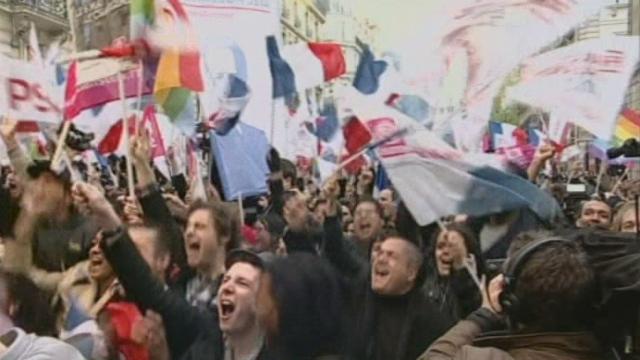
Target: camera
x=78, y=140
x=630, y=148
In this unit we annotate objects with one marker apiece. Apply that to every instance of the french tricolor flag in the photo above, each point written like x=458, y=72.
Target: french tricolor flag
x=302, y=66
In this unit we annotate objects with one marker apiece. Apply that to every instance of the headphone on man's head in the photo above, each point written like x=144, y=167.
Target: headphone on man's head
x=508, y=299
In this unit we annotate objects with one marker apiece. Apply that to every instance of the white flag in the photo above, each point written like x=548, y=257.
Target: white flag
x=585, y=82
x=493, y=37
x=35, y=55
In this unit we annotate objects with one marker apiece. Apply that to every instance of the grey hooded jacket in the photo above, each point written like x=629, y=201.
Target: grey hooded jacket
x=19, y=345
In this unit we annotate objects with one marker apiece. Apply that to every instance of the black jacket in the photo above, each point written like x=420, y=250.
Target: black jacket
x=456, y=296
x=191, y=333
x=157, y=212
x=398, y=328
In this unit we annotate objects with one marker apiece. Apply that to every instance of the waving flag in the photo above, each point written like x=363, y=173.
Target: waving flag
x=164, y=26
x=71, y=105
x=413, y=106
x=95, y=82
x=473, y=36
x=35, y=55
x=304, y=65
x=369, y=72
x=628, y=126
x=436, y=180
x=585, y=81
x=327, y=124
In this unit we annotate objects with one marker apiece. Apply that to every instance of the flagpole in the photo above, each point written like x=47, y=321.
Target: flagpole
x=364, y=150
x=139, y=94
x=127, y=135
x=273, y=121
x=241, y=209
x=60, y=145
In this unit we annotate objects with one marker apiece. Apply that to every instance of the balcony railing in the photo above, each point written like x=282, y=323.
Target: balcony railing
x=97, y=8
x=53, y=8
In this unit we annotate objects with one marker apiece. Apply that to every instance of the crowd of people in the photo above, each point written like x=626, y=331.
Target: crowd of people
x=311, y=270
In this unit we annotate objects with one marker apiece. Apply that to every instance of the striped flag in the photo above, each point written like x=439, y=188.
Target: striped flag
x=71, y=108
x=302, y=66
x=163, y=26
x=436, y=180
x=628, y=126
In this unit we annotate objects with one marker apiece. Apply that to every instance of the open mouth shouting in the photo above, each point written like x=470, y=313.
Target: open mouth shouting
x=226, y=309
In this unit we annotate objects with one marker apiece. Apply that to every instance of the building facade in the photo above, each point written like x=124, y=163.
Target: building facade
x=611, y=20
x=302, y=20
x=98, y=22
x=16, y=16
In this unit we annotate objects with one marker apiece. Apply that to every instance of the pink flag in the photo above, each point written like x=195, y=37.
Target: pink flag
x=71, y=108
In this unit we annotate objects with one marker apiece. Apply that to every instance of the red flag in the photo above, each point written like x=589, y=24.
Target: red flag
x=119, y=48
x=356, y=135
x=157, y=144
x=111, y=142
x=71, y=108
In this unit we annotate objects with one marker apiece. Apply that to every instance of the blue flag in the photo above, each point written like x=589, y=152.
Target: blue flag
x=367, y=79
x=241, y=158
x=283, y=79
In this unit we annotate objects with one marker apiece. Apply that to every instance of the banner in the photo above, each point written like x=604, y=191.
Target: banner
x=98, y=82
x=232, y=35
x=25, y=92
x=483, y=41
x=585, y=82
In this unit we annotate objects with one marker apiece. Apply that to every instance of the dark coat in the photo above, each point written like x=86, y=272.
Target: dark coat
x=156, y=212
x=415, y=320
x=191, y=333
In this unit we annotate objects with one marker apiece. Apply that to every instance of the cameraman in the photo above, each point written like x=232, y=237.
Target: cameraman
x=545, y=295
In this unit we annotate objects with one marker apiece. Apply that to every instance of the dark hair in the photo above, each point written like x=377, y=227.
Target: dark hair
x=584, y=203
x=371, y=200
x=288, y=170
x=555, y=287
x=40, y=168
x=33, y=312
x=310, y=303
x=224, y=222
x=470, y=242
x=370, y=187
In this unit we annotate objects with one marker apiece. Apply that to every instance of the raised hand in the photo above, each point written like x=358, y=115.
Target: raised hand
x=141, y=148
x=91, y=201
x=132, y=211
x=8, y=131
x=544, y=153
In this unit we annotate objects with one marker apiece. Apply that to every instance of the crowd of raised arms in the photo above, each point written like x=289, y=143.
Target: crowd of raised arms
x=334, y=269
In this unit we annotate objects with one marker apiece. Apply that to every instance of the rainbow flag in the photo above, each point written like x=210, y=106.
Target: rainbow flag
x=163, y=27
x=628, y=126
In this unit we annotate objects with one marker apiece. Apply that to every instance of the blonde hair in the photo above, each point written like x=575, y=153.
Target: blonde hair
x=616, y=224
